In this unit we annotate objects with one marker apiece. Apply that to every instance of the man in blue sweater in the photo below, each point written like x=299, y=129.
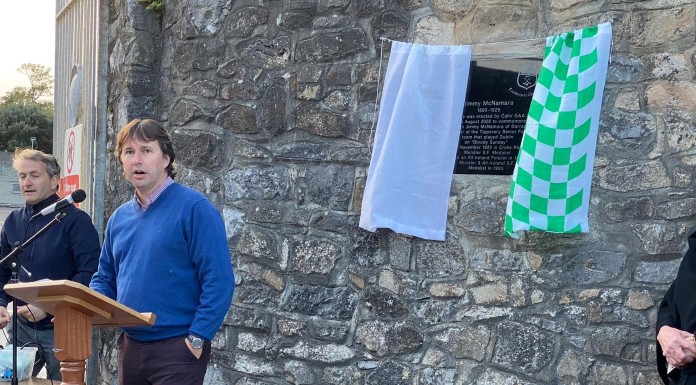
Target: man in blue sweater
x=165, y=251
x=68, y=250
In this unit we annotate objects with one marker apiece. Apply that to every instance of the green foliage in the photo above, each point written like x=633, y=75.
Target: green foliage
x=40, y=80
x=40, y=88
x=27, y=112
x=19, y=95
x=153, y=5
x=20, y=122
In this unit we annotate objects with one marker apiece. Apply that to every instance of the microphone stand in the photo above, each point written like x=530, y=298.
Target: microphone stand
x=15, y=265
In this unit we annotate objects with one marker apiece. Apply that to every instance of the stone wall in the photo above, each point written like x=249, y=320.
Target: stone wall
x=271, y=105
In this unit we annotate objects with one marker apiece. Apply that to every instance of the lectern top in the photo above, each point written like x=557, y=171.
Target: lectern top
x=49, y=295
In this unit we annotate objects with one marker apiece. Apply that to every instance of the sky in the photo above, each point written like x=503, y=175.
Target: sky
x=27, y=35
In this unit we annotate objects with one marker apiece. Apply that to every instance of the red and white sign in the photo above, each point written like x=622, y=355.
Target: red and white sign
x=70, y=157
x=72, y=160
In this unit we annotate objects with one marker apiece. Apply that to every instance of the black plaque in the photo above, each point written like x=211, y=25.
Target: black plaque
x=498, y=99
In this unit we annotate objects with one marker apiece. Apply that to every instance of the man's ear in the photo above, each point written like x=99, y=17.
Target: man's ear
x=55, y=179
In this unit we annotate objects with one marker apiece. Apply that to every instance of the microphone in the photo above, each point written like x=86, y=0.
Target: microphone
x=77, y=196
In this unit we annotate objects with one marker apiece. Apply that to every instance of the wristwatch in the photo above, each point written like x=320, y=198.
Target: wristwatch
x=196, y=342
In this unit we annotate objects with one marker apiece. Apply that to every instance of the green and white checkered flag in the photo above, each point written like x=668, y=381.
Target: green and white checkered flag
x=550, y=188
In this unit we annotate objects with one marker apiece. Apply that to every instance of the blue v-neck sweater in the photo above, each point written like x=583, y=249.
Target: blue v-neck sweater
x=171, y=259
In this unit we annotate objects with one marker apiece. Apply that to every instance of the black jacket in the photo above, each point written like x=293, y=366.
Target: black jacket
x=68, y=250
x=678, y=307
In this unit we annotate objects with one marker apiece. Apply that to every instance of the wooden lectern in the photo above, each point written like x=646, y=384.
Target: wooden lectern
x=76, y=308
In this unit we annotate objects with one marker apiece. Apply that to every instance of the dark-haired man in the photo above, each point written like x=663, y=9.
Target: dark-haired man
x=165, y=251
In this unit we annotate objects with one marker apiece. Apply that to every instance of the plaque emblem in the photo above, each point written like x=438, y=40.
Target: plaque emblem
x=526, y=81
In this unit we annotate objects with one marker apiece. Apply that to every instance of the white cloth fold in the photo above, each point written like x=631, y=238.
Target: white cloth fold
x=410, y=173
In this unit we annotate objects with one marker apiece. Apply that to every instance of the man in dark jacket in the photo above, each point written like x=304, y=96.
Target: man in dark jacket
x=68, y=250
x=676, y=323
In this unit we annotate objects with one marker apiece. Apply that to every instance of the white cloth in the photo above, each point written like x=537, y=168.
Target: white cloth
x=410, y=174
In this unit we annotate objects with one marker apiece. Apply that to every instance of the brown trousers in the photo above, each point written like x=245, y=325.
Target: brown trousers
x=163, y=362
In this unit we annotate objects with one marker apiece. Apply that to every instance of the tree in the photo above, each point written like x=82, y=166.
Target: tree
x=27, y=112
x=40, y=80
x=20, y=122
x=40, y=88
x=18, y=95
